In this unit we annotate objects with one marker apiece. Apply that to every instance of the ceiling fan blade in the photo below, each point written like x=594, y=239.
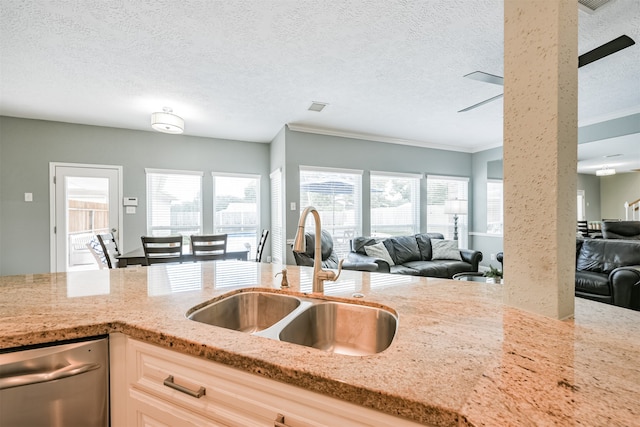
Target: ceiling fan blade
x=600, y=52
x=481, y=103
x=481, y=76
x=606, y=49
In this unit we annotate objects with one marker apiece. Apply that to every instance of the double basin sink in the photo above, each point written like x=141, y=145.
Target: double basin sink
x=332, y=326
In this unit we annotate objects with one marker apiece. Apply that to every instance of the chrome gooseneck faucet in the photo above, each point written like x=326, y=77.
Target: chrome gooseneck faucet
x=299, y=245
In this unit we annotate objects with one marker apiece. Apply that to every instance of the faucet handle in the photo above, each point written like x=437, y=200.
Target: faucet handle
x=331, y=275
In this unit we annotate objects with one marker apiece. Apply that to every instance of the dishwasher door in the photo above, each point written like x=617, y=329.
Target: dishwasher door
x=59, y=385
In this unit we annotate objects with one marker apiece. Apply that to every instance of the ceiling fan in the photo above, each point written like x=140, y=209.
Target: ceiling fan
x=600, y=52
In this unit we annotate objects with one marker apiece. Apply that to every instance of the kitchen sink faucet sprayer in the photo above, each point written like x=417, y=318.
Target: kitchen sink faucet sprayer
x=299, y=245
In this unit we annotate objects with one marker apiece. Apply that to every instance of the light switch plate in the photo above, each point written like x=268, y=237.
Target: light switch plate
x=292, y=206
x=28, y=197
x=130, y=209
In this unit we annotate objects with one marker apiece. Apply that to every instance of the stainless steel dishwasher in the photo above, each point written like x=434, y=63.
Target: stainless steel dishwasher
x=56, y=385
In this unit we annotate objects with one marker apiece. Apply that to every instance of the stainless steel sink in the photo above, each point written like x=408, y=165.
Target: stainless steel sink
x=336, y=327
x=247, y=311
x=342, y=328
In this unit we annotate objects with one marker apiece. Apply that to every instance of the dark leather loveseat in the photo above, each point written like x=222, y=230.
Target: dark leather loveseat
x=626, y=230
x=609, y=271
x=412, y=255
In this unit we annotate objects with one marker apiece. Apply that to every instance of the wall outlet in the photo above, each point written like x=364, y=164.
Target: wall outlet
x=493, y=257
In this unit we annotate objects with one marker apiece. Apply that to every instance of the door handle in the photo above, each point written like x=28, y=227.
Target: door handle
x=171, y=384
x=43, y=377
x=113, y=230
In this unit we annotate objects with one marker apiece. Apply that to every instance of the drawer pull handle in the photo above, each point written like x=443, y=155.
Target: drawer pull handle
x=171, y=384
x=279, y=422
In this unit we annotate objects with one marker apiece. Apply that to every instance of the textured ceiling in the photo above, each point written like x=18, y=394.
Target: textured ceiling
x=390, y=70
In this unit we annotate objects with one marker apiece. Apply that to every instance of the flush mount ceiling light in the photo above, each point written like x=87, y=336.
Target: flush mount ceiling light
x=167, y=122
x=605, y=171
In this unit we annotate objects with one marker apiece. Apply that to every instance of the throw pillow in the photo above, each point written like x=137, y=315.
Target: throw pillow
x=445, y=249
x=379, y=251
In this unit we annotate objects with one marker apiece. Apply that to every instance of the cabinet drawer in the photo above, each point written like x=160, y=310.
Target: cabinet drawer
x=236, y=398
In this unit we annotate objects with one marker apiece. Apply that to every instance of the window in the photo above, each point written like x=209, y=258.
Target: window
x=236, y=211
x=440, y=219
x=337, y=195
x=174, y=202
x=395, y=204
x=495, y=215
x=277, y=219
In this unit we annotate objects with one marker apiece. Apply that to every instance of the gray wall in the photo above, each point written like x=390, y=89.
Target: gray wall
x=615, y=190
x=337, y=152
x=591, y=186
x=27, y=147
x=484, y=164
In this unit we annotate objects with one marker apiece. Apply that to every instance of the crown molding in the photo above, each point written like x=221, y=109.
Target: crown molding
x=376, y=138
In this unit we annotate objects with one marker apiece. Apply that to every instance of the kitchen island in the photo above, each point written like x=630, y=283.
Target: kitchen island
x=460, y=357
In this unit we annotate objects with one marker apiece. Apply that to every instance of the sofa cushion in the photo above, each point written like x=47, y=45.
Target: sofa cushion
x=405, y=249
x=358, y=244
x=592, y=283
x=429, y=268
x=604, y=256
x=424, y=245
x=445, y=249
x=403, y=269
x=379, y=251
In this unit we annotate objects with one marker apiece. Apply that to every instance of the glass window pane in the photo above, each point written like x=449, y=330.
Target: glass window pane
x=395, y=203
x=440, y=190
x=338, y=198
x=174, y=204
x=236, y=211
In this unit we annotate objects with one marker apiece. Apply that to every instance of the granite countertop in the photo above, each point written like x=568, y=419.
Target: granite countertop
x=459, y=357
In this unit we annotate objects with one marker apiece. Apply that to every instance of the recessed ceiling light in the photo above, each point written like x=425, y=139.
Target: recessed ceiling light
x=317, y=106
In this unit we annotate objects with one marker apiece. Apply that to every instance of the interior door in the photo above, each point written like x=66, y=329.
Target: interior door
x=85, y=202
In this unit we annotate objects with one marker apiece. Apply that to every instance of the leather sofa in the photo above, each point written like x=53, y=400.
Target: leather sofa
x=627, y=230
x=412, y=255
x=609, y=271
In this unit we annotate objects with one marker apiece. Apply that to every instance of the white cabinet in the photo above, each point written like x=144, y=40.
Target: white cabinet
x=161, y=388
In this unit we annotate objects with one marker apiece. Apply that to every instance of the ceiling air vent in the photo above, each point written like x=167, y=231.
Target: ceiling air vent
x=317, y=106
x=590, y=6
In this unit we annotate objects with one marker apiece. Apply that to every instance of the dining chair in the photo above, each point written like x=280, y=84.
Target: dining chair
x=94, y=248
x=208, y=247
x=109, y=249
x=261, y=245
x=583, y=228
x=162, y=249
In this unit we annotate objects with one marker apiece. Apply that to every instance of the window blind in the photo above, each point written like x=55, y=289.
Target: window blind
x=277, y=219
x=174, y=202
x=395, y=204
x=495, y=218
x=337, y=195
x=439, y=190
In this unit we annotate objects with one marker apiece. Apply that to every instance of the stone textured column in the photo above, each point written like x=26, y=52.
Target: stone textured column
x=540, y=154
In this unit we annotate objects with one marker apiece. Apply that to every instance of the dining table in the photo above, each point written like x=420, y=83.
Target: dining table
x=136, y=257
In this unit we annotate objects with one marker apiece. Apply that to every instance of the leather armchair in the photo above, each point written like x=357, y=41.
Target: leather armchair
x=329, y=257
x=609, y=271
